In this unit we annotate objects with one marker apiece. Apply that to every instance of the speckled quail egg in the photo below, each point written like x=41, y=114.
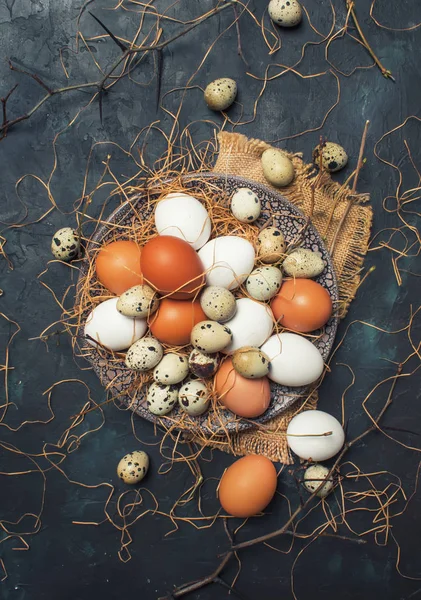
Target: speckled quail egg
x=221, y=93
x=277, y=167
x=203, y=365
x=133, y=467
x=173, y=368
x=334, y=157
x=250, y=362
x=245, y=205
x=161, y=398
x=285, y=13
x=303, y=263
x=65, y=244
x=270, y=245
x=194, y=397
x=313, y=477
x=210, y=336
x=144, y=354
x=264, y=282
x=218, y=303
x=138, y=301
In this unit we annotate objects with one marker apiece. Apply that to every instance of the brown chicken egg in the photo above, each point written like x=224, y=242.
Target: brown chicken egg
x=173, y=321
x=172, y=267
x=118, y=266
x=247, y=398
x=247, y=486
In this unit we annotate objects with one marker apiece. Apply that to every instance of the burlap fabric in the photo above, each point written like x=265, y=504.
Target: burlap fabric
x=239, y=155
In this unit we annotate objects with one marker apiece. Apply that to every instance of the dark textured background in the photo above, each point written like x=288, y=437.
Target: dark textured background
x=70, y=562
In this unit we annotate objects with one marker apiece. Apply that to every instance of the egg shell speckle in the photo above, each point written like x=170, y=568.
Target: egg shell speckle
x=245, y=205
x=173, y=368
x=161, y=398
x=203, y=365
x=277, y=167
x=264, y=282
x=286, y=13
x=194, y=398
x=133, y=467
x=138, y=301
x=65, y=244
x=221, y=93
x=270, y=245
x=144, y=354
x=314, y=476
x=218, y=303
x=251, y=362
x=303, y=263
x=334, y=157
x=210, y=336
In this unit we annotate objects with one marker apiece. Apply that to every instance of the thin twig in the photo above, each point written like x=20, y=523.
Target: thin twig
x=100, y=85
x=354, y=187
x=237, y=27
x=4, y=111
x=385, y=72
x=33, y=76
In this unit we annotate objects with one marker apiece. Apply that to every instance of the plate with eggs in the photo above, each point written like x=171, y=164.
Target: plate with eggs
x=207, y=303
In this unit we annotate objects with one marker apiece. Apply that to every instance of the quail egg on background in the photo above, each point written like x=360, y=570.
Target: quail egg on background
x=245, y=205
x=194, y=397
x=334, y=157
x=277, y=167
x=270, y=245
x=144, y=354
x=173, y=368
x=250, y=362
x=138, y=301
x=133, y=467
x=203, y=365
x=313, y=477
x=303, y=263
x=285, y=13
x=161, y=398
x=65, y=244
x=218, y=303
x=210, y=336
x=221, y=93
x=264, y=282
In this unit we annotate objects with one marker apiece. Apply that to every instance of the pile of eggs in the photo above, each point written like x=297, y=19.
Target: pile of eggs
x=200, y=317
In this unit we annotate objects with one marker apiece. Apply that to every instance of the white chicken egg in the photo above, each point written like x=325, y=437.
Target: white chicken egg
x=112, y=329
x=294, y=361
x=251, y=325
x=183, y=216
x=315, y=435
x=227, y=261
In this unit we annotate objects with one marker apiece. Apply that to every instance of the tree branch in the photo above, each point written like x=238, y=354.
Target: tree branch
x=100, y=85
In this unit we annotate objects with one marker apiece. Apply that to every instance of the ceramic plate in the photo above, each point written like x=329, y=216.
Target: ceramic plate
x=289, y=220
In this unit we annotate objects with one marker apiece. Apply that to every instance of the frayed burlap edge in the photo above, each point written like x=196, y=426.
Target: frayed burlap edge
x=239, y=155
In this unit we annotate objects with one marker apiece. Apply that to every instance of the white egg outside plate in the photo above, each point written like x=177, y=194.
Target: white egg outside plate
x=305, y=439
x=251, y=325
x=112, y=329
x=227, y=261
x=294, y=360
x=183, y=216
